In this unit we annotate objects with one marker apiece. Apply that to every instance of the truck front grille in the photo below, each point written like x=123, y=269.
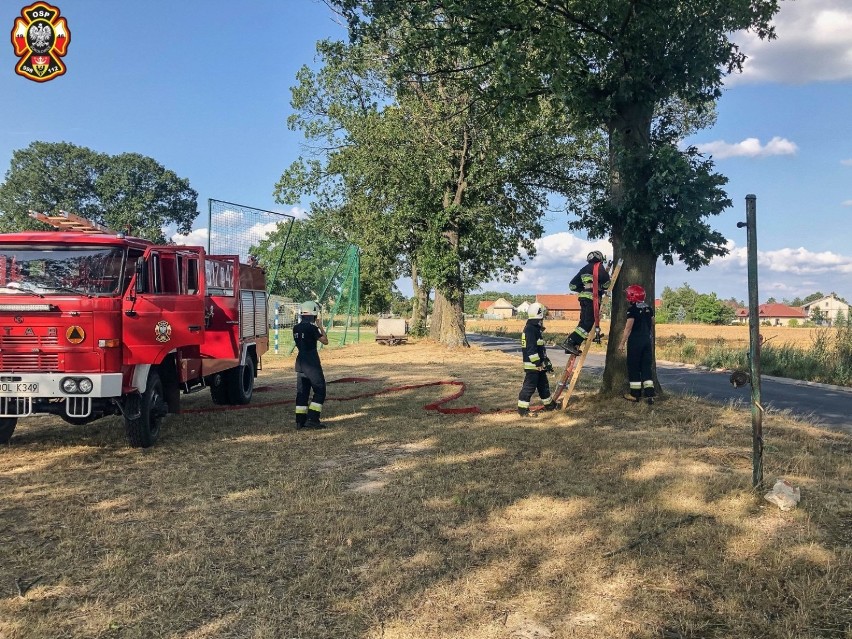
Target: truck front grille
x=36, y=362
x=23, y=341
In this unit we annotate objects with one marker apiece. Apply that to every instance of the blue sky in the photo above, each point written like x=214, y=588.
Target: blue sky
x=204, y=88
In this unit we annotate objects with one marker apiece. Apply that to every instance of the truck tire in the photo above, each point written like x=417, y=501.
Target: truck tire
x=7, y=427
x=219, y=389
x=144, y=430
x=241, y=382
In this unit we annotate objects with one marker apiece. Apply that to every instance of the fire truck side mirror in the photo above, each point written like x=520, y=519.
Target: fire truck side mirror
x=141, y=275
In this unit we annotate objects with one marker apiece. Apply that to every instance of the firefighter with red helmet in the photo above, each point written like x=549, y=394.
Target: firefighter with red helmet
x=309, y=375
x=584, y=285
x=639, y=340
x=536, y=363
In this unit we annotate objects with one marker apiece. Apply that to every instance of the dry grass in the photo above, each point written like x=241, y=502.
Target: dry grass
x=609, y=520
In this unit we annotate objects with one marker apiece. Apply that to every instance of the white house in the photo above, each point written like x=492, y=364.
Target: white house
x=828, y=306
x=523, y=307
x=502, y=309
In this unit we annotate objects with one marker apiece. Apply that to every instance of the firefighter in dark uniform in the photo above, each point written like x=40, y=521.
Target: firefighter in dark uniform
x=536, y=363
x=583, y=285
x=309, y=375
x=639, y=339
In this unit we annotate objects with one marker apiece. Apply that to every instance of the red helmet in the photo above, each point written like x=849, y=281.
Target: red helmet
x=635, y=293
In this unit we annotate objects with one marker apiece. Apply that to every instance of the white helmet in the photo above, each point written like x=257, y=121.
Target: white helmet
x=310, y=308
x=595, y=256
x=536, y=311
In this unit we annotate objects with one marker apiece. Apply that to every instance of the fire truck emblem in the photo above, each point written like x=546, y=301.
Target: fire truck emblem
x=163, y=331
x=75, y=334
x=40, y=38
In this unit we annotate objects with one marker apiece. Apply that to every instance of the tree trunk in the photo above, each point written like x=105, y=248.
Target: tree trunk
x=448, y=322
x=420, y=308
x=629, y=150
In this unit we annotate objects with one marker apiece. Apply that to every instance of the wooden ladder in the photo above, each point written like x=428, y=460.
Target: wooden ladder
x=70, y=222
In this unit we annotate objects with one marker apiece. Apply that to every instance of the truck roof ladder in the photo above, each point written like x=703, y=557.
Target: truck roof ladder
x=70, y=222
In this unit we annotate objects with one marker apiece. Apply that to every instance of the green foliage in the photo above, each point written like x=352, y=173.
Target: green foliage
x=308, y=262
x=422, y=175
x=128, y=192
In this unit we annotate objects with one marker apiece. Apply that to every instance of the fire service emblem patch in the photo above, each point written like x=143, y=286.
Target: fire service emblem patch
x=40, y=38
x=163, y=331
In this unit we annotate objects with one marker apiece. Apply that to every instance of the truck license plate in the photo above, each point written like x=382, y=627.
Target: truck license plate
x=12, y=388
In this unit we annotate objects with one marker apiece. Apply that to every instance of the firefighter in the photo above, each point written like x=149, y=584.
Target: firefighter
x=639, y=340
x=309, y=375
x=536, y=363
x=584, y=286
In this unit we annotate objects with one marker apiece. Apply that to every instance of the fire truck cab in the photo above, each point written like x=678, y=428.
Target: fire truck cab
x=96, y=323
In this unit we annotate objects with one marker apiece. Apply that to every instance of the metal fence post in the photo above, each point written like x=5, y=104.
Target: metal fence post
x=754, y=342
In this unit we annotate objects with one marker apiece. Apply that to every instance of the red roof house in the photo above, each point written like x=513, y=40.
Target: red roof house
x=777, y=314
x=561, y=306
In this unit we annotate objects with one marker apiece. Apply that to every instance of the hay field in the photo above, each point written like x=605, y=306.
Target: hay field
x=606, y=521
x=734, y=334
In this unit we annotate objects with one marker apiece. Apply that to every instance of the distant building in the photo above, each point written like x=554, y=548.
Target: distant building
x=484, y=305
x=776, y=314
x=561, y=306
x=523, y=307
x=500, y=309
x=828, y=307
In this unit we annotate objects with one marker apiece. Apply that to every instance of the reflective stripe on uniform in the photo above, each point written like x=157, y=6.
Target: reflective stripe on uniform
x=648, y=383
x=301, y=410
x=316, y=407
x=530, y=366
x=523, y=404
x=635, y=385
x=547, y=401
x=581, y=332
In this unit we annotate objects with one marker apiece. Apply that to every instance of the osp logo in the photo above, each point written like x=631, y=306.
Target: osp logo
x=40, y=38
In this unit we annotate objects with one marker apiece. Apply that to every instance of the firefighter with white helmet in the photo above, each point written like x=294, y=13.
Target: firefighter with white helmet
x=639, y=340
x=309, y=375
x=536, y=363
x=584, y=285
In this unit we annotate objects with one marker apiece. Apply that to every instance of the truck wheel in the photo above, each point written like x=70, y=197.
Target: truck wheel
x=219, y=389
x=241, y=382
x=144, y=430
x=7, y=427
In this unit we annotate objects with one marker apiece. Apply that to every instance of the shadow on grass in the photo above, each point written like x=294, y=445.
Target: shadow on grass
x=609, y=520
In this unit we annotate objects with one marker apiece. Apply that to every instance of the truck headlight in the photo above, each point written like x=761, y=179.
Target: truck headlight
x=76, y=385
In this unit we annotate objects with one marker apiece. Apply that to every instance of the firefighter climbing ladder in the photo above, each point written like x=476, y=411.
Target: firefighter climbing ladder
x=575, y=362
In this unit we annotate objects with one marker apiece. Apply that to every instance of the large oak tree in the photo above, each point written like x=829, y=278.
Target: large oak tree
x=611, y=64
x=126, y=192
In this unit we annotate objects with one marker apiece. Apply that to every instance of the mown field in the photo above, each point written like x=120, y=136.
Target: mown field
x=734, y=335
x=608, y=520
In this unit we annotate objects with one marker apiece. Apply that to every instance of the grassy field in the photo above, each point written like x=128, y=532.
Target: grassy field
x=733, y=335
x=606, y=521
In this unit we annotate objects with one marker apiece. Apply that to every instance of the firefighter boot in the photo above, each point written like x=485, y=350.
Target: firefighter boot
x=525, y=412
x=570, y=347
x=550, y=406
x=314, y=419
x=301, y=418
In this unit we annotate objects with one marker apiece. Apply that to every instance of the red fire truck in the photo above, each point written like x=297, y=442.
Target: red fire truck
x=94, y=323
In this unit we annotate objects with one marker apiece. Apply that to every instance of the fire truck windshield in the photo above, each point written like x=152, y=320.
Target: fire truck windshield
x=60, y=270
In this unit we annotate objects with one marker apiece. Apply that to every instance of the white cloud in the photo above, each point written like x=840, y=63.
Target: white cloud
x=196, y=237
x=785, y=272
x=846, y=162
x=847, y=203
x=814, y=44
x=750, y=147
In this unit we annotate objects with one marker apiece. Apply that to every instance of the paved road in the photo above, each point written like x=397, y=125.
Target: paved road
x=818, y=403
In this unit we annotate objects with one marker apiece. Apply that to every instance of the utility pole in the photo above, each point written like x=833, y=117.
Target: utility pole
x=754, y=342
